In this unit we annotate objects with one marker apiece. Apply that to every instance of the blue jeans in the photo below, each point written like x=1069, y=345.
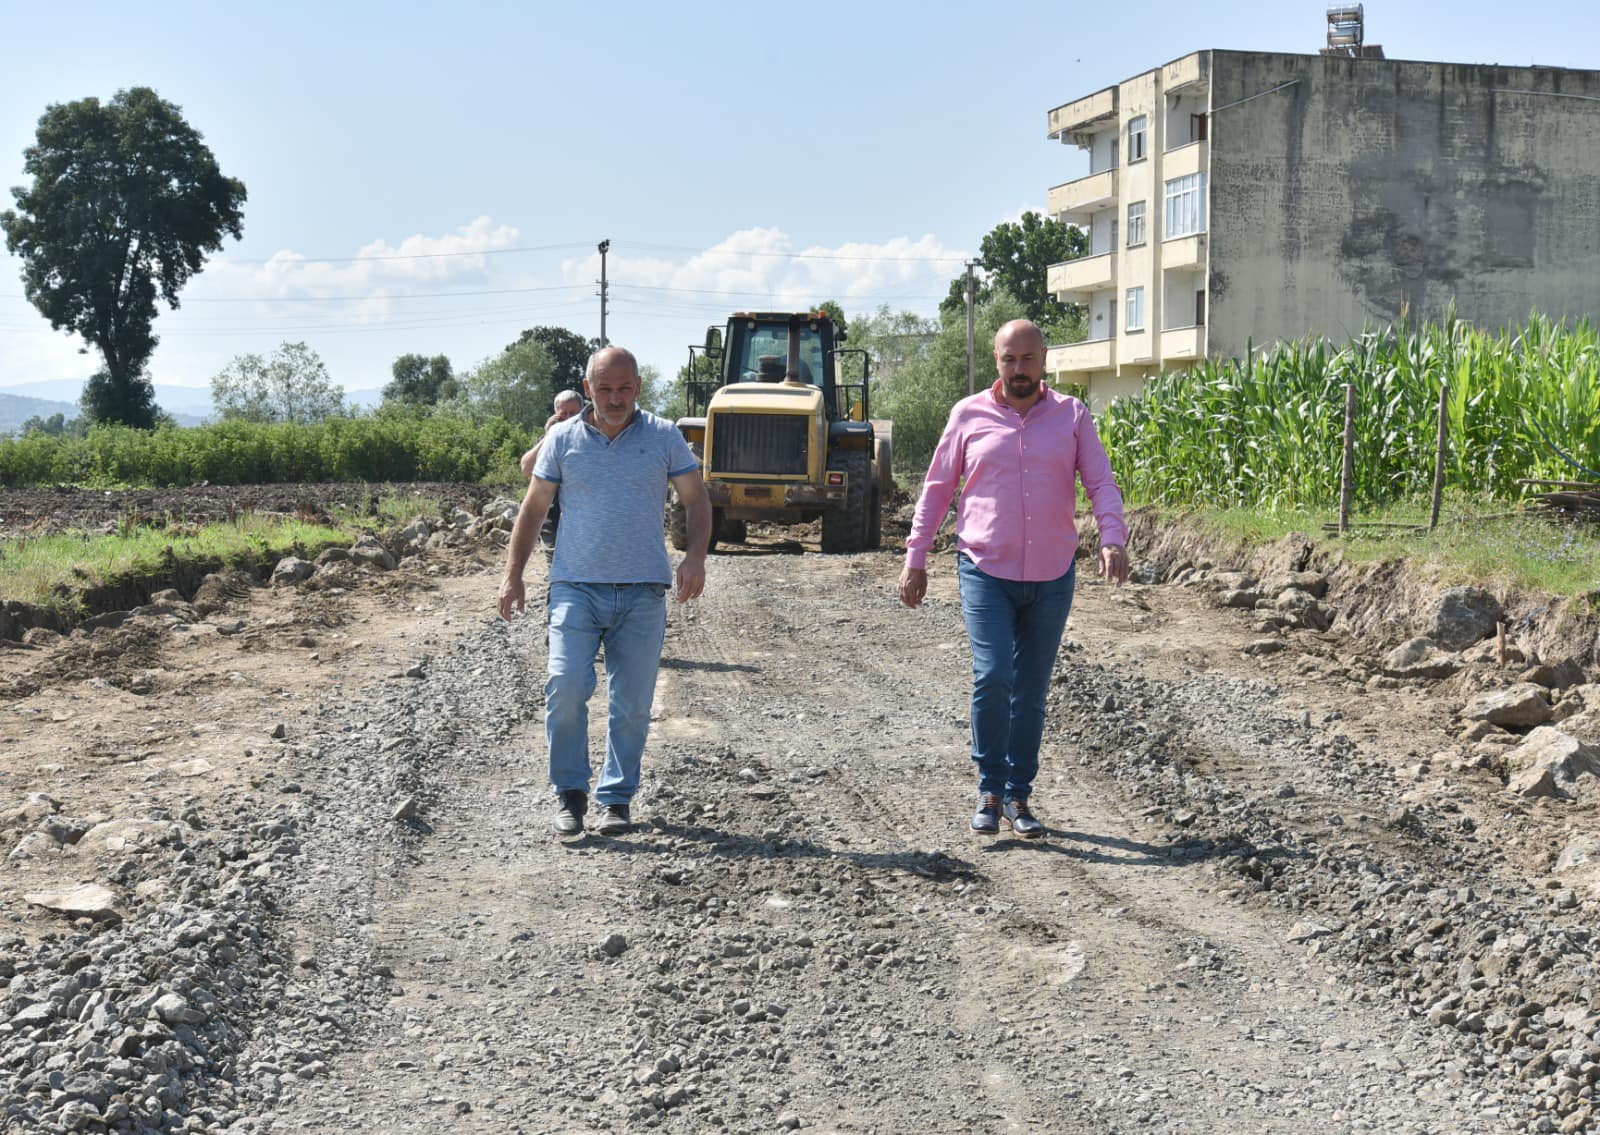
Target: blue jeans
x=631, y=621
x=1015, y=629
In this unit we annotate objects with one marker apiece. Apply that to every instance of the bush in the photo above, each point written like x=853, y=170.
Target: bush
x=392, y=445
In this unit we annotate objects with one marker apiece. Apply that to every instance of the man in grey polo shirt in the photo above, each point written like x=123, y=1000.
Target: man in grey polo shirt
x=608, y=579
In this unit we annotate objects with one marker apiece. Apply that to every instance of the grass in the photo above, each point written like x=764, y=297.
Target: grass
x=53, y=571
x=1476, y=542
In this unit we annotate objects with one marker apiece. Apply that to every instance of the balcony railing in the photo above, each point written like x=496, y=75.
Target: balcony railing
x=1184, y=252
x=1191, y=73
x=1092, y=354
x=1076, y=202
x=1183, y=343
x=1084, y=116
x=1073, y=281
x=1186, y=158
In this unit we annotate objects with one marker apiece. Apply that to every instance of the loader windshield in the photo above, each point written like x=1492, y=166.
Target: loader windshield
x=760, y=352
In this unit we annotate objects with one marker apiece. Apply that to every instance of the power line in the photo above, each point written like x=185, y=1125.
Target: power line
x=402, y=255
x=956, y=259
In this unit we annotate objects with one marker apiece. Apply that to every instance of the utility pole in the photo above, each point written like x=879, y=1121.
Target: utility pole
x=971, y=389
x=605, y=246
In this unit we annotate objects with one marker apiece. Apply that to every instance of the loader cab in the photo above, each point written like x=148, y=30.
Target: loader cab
x=777, y=347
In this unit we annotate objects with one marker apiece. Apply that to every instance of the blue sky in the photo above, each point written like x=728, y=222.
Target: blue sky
x=736, y=156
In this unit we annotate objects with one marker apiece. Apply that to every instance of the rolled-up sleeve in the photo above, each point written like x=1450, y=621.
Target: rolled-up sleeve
x=938, y=490
x=1094, y=470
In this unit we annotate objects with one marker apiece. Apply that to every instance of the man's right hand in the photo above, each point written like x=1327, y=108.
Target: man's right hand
x=913, y=586
x=513, y=597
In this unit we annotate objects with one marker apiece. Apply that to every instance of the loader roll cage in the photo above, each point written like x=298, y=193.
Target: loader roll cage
x=773, y=347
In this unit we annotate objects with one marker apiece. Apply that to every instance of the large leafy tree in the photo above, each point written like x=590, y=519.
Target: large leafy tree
x=421, y=381
x=1015, y=257
x=569, y=354
x=126, y=203
x=290, y=386
x=515, y=385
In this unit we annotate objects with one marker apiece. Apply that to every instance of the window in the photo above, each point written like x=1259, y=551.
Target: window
x=1197, y=128
x=1113, y=245
x=1135, y=224
x=1135, y=309
x=1186, y=205
x=1136, y=138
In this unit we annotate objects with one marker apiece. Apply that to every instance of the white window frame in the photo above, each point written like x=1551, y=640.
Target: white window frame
x=1136, y=223
x=1135, y=309
x=1138, y=128
x=1186, y=206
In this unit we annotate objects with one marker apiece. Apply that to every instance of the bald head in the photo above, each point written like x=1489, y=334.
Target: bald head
x=609, y=357
x=1017, y=333
x=1019, y=357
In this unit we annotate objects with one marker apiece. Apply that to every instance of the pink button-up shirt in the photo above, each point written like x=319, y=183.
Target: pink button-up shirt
x=1018, y=480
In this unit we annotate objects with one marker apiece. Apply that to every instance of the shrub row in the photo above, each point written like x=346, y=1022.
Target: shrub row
x=392, y=446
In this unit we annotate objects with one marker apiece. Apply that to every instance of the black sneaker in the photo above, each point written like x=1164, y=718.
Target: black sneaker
x=1022, y=820
x=614, y=820
x=571, y=806
x=986, y=820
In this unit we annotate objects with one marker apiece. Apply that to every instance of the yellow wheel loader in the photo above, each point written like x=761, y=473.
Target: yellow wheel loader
x=780, y=436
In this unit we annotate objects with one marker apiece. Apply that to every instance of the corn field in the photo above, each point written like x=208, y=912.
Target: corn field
x=1269, y=430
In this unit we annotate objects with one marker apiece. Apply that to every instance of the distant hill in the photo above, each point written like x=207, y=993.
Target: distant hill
x=16, y=409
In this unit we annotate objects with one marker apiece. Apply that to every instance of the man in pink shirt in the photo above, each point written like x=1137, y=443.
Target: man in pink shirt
x=1015, y=452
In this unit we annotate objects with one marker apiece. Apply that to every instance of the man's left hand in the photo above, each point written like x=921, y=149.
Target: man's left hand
x=1113, y=564
x=691, y=578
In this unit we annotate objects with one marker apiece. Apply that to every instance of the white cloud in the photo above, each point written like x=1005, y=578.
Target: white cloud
x=761, y=267
x=377, y=271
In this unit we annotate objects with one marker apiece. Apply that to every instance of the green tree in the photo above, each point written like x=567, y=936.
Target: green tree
x=892, y=340
x=569, y=355
x=516, y=384
x=291, y=386
x=1016, y=258
x=126, y=202
x=832, y=308
x=918, y=398
x=56, y=425
x=421, y=381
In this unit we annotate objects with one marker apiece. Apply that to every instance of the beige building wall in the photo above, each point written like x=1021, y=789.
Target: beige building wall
x=1372, y=187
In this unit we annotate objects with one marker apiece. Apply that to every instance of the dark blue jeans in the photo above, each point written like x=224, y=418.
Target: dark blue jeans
x=1015, y=629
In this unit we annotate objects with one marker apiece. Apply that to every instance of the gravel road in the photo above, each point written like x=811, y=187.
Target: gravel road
x=1248, y=915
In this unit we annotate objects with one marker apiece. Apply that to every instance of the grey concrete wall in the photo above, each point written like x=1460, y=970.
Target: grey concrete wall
x=1372, y=185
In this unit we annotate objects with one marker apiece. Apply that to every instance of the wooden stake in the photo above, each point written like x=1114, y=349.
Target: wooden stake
x=1500, y=644
x=1347, y=481
x=1438, y=460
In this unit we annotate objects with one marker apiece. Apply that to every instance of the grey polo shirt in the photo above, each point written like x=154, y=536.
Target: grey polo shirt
x=613, y=497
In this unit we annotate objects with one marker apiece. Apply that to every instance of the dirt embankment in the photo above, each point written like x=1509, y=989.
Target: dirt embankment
x=1283, y=888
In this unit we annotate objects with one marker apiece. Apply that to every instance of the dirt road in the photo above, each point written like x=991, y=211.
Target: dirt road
x=1252, y=913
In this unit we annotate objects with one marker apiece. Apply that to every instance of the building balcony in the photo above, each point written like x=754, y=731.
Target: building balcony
x=1073, y=281
x=1075, y=202
x=1190, y=157
x=1183, y=343
x=1192, y=73
x=1072, y=122
x=1092, y=354
x=1184, y=252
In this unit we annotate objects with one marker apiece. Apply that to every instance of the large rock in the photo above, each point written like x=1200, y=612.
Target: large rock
x=117, y=836
x=1314, y=583
x=1550, y=763
x=368, y=551
x=1518, y=707
x=501, y=508
x=1464, y=615
x=90, y=900
x=1419, y=658
x=292, y=569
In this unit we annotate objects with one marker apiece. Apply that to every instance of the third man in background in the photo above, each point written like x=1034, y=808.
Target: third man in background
x=1016, y=452
x=568, y=404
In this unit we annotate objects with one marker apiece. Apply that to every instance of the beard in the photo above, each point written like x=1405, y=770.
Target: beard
x=1023, y=385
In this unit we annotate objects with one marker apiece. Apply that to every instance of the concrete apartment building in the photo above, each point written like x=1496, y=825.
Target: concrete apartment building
x=1239, y=198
